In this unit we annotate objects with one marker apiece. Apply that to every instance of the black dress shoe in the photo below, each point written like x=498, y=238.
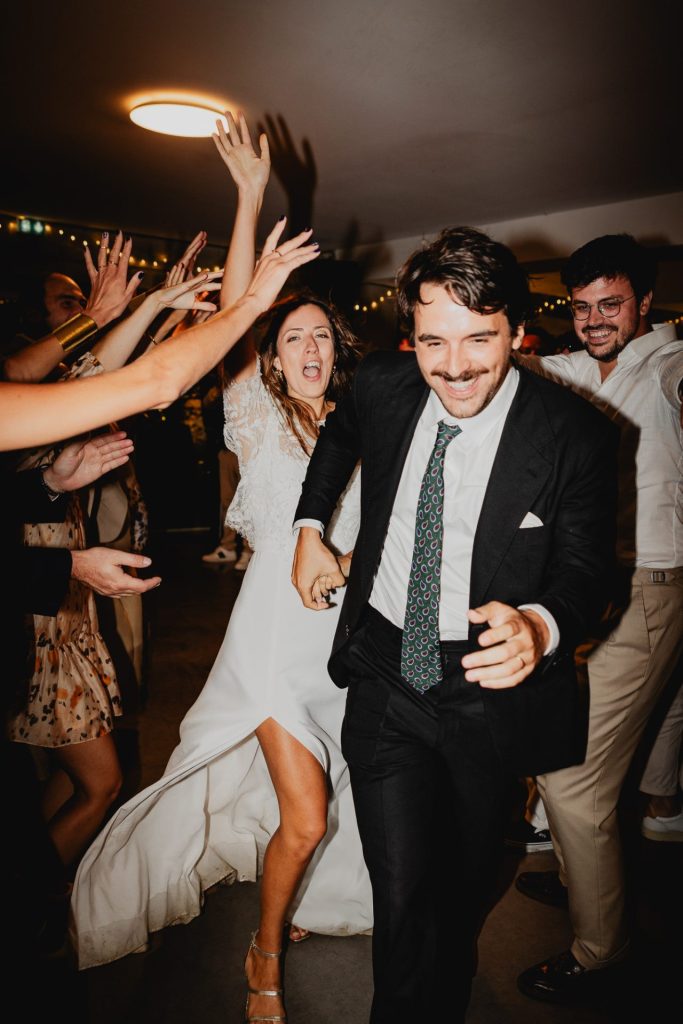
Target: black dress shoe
x=544, y=886
x=559, y=979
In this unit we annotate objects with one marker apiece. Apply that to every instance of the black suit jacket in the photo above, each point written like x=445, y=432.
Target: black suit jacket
x=557, y=459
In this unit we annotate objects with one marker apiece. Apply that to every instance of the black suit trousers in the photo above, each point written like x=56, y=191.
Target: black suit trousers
x=430, y=795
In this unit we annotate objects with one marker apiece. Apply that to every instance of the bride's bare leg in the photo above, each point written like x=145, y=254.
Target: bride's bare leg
x=301, y=790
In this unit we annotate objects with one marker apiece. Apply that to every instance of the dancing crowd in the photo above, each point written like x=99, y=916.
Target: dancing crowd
x=464, y=568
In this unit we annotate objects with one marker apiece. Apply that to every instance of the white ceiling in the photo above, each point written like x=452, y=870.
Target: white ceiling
x=418, y=114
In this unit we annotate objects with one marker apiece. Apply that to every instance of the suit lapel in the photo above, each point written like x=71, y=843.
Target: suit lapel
x=391, y=435
x=520, y=469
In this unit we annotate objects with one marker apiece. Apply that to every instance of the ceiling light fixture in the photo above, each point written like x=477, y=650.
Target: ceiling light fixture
x=188, y=120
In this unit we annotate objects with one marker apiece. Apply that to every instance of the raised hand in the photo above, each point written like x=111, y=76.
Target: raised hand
x=184, y=268
x=191, y=294
x=278, y=261
x=248, y=169
x=110, y=289
x=82, y=462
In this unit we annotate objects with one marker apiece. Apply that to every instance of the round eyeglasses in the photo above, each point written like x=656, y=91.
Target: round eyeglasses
x=606, y=307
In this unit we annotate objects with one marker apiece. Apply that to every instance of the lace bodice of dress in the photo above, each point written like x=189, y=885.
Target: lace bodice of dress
x=272, y=469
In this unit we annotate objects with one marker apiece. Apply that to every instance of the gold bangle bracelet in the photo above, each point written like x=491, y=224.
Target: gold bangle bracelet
x=75, y=331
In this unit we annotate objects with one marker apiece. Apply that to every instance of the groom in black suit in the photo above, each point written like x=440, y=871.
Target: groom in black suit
x=487, y=521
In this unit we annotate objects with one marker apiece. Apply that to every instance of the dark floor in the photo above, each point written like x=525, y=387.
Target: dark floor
x=193, y=973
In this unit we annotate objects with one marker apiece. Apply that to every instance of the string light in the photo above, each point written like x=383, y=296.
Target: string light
x=87, y=236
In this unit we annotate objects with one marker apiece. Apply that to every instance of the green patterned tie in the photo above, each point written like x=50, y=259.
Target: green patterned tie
x=420, y=651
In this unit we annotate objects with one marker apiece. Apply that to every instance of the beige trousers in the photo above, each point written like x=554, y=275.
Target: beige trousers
x=663, y=774
x=626, y=674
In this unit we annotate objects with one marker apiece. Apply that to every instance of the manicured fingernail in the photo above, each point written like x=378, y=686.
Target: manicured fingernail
x=316, y=245
x=146, y=561
x=141, y=274
x=308, y=229
x=105, y=234
x=281, y=217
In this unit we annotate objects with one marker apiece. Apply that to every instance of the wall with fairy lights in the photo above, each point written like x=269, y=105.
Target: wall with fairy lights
x=152, y=254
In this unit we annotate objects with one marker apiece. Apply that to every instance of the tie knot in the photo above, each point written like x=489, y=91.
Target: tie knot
x=445, y=433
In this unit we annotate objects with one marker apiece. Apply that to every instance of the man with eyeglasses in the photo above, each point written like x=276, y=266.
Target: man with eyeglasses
x=632, y=372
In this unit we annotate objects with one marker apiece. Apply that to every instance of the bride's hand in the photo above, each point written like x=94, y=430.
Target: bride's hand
x=248, y=169
x=277, y=262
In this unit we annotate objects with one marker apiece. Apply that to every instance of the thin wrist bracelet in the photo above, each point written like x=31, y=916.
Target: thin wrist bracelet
x=75, y=331
x=51, y=493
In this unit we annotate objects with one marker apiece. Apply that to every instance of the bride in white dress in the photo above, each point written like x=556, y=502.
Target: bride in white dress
x=257, y=782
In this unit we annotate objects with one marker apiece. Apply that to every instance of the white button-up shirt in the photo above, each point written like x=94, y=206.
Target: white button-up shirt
x=641, y=395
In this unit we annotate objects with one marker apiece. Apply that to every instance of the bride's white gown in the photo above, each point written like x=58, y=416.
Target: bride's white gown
x=211, y=814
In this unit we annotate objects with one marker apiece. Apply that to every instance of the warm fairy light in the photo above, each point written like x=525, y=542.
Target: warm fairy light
x=72, y=238
x=187, y=120
x=356, y=307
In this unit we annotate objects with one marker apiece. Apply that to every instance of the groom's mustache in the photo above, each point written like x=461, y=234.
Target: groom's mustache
x=461, y=378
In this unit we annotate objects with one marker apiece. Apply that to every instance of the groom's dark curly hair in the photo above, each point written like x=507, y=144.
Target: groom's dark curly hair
x=476, y=271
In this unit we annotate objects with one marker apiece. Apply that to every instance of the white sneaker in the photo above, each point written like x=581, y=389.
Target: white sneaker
x=219, y=555
x=243, y=561
x=663, y=830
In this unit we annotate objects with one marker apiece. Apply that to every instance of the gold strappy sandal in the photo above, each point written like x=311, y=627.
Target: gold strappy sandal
x=274, y=992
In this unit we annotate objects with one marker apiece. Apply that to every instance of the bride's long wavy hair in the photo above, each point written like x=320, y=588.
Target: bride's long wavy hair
x=347, y=353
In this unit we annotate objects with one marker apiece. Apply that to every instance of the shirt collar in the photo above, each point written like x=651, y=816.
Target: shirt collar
x=661, y=334
x=474, y=428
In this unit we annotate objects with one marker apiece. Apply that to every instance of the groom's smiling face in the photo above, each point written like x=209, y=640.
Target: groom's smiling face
x=464, y=356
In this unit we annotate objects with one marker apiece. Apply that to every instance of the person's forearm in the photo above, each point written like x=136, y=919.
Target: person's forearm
x=66, y=409
x=33, y=363
x=118, y=344
x=239, y=263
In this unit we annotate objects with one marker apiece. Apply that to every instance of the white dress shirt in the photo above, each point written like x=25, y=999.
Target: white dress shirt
x=641, y=395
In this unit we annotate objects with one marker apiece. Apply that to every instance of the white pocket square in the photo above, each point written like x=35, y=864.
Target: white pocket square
x=530, y=520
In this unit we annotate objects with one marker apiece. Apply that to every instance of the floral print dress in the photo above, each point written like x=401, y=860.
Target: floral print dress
x=72, y=695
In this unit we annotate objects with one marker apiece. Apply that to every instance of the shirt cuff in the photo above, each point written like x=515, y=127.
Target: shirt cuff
x=314, y=523
x=554, y=641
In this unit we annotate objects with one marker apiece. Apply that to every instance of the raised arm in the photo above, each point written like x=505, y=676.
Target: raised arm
x=249, y=171
x=119, y=344
x=110, y=294
x=34, y=414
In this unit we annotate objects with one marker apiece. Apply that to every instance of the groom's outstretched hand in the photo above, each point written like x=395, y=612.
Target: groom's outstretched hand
x=513, y=645
x=315, y=570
